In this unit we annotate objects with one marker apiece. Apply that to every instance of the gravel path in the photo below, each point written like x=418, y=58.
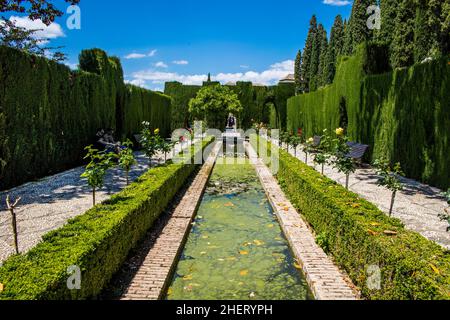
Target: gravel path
x=418, y=206
x=47, y=204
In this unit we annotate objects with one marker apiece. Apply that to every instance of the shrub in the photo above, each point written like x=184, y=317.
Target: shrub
x=360, y=235
x=98, y=241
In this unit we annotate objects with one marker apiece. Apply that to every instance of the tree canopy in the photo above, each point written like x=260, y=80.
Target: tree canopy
x=213, y=104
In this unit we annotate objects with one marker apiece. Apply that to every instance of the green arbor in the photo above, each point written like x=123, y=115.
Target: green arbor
x=213, y=104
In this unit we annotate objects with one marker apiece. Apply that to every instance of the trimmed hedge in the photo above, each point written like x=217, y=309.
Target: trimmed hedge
x=141, y=104
x=261, y=104
x=98, y=241
x=403, y=115
x=412, y=267
x=48, y=113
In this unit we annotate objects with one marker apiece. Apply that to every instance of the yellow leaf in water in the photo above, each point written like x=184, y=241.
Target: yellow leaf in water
x=188, y=277
x=221, y=260
x=258, y=243
x=240, y=283
x=203, y=253
x=194, y=285
x=270, y=226
x=229, y=204
x=231, y=258
x=205, y=237
x=243, y=273
x=297, y=266
x=436, y=270
x=243, y=252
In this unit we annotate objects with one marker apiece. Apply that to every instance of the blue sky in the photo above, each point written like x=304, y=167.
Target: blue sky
x=162, y=40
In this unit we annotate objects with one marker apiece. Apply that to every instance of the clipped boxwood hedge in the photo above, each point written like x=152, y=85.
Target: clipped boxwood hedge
x=98, y=241
x=412, y=266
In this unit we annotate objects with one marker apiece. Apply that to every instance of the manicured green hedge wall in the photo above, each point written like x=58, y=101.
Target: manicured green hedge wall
x=413, y=268
x=144, y=105
x=403, y=115
x=48, y=113
x=181, y=95
x=98, y=242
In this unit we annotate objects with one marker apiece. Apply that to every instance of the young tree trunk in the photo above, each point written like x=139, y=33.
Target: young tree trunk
x=14, y=228
x=323, y=168
x=165, y=157
x=392, y=203
x=128, y=177
x=93, y=196
x=11, y=207
x=306, y=159
x=347, y=180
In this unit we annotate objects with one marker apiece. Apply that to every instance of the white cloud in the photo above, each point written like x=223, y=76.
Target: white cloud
x=52, y=31
x=270, y=76
x=141, y=55
x=180, y=62
x=161, y=64
x=338, y=3
x=135, y=56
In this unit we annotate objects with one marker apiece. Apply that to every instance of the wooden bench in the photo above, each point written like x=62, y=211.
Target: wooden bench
x=357, y=151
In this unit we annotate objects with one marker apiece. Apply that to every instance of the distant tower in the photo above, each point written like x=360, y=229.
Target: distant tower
x=209, y=77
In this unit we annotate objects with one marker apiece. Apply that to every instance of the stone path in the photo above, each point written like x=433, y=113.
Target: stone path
x=324, y=278
x=150, y=280
x=47, y=204
x=418, y=206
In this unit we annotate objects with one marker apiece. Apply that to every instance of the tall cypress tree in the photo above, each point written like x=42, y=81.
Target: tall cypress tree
x=307, y=52
x=423, y=40
x=402, y=48
x=322, y=72
x=348, y=42
x=298, y=72
x=388, y=14
x=358, y=23
x=315, y=58
x=445, y=28
x=335, y=48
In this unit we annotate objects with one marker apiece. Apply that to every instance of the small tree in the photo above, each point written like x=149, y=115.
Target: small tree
x=127, y=159
x=295, y=141
x=446, y=215
x=308, y=148
x=389, y=178
x=342, y=162
x=99, y=163
x=324, y=150
x=166, y=147
x=11, y=207
x=150, y=141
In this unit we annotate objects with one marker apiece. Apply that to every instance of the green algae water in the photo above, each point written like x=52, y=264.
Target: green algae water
x=236, y=249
